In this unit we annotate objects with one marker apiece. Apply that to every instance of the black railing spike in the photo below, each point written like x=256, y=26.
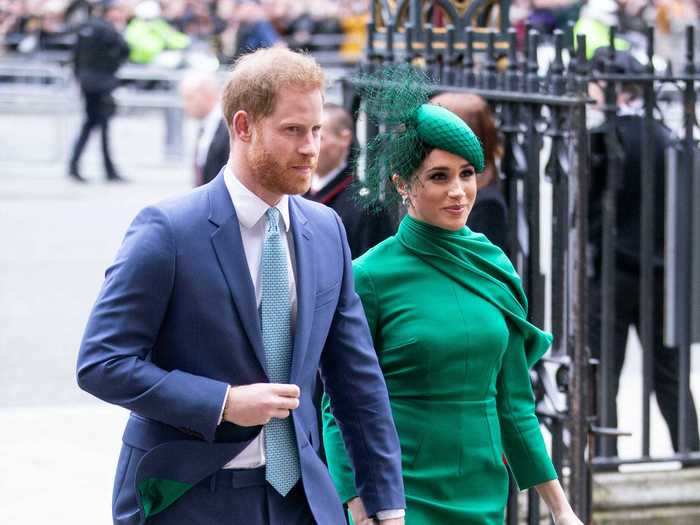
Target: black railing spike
x=449, y=56
x=581, y=64
x=526, y=46
x=571, y=36
x=408, y=35
x=612, y=52
x=690, y=50
x=512, y=46
x=468, y=60
x=490, y=77
x=650, y=49
x=512, y=79
x=370, y=38
x=556, y=69
x=572, y=66
x=613, y=35
x=532, y=77
x=389, y=57
x=429, y=52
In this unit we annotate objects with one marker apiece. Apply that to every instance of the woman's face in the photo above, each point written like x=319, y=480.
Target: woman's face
x=442, y=192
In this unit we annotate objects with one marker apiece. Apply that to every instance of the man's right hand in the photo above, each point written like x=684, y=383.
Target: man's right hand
x=256, y=404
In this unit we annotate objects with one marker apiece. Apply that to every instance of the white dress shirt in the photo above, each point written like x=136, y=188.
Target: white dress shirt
x=250, y=210
x=208, y=128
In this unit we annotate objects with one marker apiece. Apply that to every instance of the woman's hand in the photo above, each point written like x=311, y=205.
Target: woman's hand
x=567, y=518
x=552, y=493
x=358, y=512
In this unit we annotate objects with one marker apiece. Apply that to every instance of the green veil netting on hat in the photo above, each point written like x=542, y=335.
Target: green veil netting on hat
x=396, y=99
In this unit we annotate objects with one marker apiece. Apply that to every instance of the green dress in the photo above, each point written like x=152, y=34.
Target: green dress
x=448, y=318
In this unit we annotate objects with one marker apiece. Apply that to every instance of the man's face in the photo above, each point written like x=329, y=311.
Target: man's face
x=285, y=144
x=335, y=143
x=116, y=16
x=197, y=101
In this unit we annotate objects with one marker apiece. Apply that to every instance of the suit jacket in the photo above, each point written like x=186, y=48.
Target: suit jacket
x=176, y=322
x=628, y=130
x=364, y=228
x=217, y=154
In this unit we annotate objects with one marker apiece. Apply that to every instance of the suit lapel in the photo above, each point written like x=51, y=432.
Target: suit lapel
x=306, y=284
x=230, y=254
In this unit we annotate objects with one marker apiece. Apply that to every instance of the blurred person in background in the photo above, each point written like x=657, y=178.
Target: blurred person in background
x=333, y=184
x=198, y=19
x=353, y=18
x=149, y=35
x=248, y=27
x=13, y=19
x=628, y=125
x=548, y=15
x=201, y=97
x=595, y=21
x=490, y=212
x=256, y=30
x=99, y=52
x=312, y=27
x=29, y=27
x=670, y=20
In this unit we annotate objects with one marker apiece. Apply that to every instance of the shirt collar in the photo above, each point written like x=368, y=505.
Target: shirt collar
x=249, y=207
x=213, y=118
x=318, y=183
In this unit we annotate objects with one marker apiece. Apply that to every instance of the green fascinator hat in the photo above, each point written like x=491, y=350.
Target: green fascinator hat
x=440, y=128
x=396, y=99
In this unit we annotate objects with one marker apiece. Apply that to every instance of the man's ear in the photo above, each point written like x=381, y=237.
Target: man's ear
x=346, y=135
x=242, y=126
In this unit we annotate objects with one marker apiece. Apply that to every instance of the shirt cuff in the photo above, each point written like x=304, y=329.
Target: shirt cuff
x=223, y=406
x=390, y=514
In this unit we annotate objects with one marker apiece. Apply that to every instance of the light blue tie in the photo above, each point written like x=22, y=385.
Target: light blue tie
x=282, y=468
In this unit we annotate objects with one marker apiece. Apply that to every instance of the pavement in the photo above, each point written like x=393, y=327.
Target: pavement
x=58, y=445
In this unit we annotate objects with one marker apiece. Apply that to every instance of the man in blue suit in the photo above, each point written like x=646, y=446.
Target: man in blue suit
x=214, y=318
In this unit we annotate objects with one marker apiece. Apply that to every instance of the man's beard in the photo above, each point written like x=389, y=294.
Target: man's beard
x=274, y=176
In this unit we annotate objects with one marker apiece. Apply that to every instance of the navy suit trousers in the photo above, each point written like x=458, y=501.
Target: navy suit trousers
x=237, y=497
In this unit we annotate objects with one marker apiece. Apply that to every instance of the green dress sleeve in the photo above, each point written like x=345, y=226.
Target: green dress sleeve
x=522, y=439
x=339, y=464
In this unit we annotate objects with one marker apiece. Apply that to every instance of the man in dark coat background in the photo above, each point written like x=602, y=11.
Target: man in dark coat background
x=333, y=184
x=201, y=96
x=99, y=52
x=628, y=125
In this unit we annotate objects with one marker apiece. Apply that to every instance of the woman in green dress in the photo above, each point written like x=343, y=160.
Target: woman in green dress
x=448, y=316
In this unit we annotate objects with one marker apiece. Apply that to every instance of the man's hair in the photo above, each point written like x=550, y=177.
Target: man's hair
x=623, y=63
x=200, y=80
x=257, y=79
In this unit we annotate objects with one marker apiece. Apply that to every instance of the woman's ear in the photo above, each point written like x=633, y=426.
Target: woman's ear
x=399, y=184
x=242, y=126
x=402, y=188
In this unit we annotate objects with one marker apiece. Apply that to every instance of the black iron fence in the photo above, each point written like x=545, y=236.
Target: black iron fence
x=575, y=285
